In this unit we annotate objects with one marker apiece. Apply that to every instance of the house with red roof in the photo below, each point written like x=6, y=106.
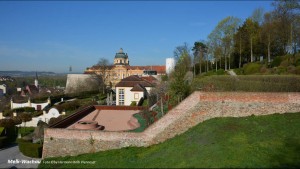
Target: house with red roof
x=132, y=89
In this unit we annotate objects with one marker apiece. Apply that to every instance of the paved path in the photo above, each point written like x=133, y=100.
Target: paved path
x=18, y=160
x=231, y=73
x=113, y=120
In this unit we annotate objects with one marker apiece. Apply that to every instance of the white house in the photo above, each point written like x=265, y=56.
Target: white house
x=45, y=117
x=131, y=89
x=36, y=106
x=2, y=89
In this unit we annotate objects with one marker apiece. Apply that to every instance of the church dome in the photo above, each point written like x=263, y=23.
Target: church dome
x=121, y=54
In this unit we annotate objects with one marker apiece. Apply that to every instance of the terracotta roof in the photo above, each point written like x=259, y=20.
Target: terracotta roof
x=32, y=89
x=149, y=78
x=138, y=88
x=157, y=68
x=133, y=80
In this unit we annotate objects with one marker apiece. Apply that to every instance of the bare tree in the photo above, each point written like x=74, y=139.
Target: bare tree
x=102, y=75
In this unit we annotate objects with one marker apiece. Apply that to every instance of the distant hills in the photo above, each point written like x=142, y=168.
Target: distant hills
x=28, y=73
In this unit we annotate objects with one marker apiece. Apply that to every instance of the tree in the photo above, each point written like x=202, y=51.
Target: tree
x=286, y=13
x=239, y=40
x=214, y=44
x=179, y=50
x=157, y=93
x=258, y=15
x=224, y=32
x=179, y=88
x=102, y=75
x=268, y=33
x=25, y=117
x=252, y=32
x=6, y=123
x=199, y=50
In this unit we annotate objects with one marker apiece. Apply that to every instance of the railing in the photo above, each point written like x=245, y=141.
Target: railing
x=119, y=107
x=73, y=118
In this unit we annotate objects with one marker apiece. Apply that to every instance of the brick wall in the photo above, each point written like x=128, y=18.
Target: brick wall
x=198, y=107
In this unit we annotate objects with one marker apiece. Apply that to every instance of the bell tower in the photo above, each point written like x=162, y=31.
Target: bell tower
x=121, y=58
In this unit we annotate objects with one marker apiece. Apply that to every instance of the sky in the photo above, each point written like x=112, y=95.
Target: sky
x=54, y=35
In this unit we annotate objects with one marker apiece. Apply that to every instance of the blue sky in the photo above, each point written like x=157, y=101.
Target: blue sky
x=51, y=36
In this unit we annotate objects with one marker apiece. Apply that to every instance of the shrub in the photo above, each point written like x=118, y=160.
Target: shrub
x=67, y=106
x=25, y=117
x=298, y=70
x=30, y=149
x=133, y=103
x=276, y=61
x=251, y=68
x=7, y=113
x=220, y=72
x=297, y=61
x=291, y=70
x=29, y=109
x=41, y=99
x=239, y=71
x=164, y=78
x=7, y=123
x=54, y=120
x=24, y=109
x=145, y=103
x=280, y=70
x=3, y=141
x=263, y=69
x=11, y=134
x=284, y=63
x=37, y=113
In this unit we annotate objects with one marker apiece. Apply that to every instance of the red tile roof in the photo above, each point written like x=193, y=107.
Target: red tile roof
x=138, y=88
x=158, y=68
x=133, y=80
x=149, y=78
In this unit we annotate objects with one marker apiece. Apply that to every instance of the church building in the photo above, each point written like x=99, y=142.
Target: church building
x=122, y=69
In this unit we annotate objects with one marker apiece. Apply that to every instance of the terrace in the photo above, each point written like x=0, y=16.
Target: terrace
x=107, y=118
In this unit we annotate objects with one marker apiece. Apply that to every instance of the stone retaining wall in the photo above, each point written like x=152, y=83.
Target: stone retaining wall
x=198, y=107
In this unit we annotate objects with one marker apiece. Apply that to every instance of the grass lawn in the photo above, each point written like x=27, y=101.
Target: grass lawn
x=142, y=121
x=253, y=142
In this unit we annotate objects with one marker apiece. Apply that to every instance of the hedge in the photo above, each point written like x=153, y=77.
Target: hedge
x=3, y=141
x=251, y=68
x=30, y=149
x=24, y=109
x=249, y=83
x=37, y=113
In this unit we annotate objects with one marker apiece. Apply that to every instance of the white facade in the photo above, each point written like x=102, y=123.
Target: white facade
x=36, y=83
x=29, y=104
x=53, y=112
x=170, y=65
x=129, y=96
x=3, y=87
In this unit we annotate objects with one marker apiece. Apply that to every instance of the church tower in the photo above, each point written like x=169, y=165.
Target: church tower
x=36, y=82
x=121, y=58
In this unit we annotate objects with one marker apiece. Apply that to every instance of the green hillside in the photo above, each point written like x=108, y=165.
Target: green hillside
x=253, y=142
